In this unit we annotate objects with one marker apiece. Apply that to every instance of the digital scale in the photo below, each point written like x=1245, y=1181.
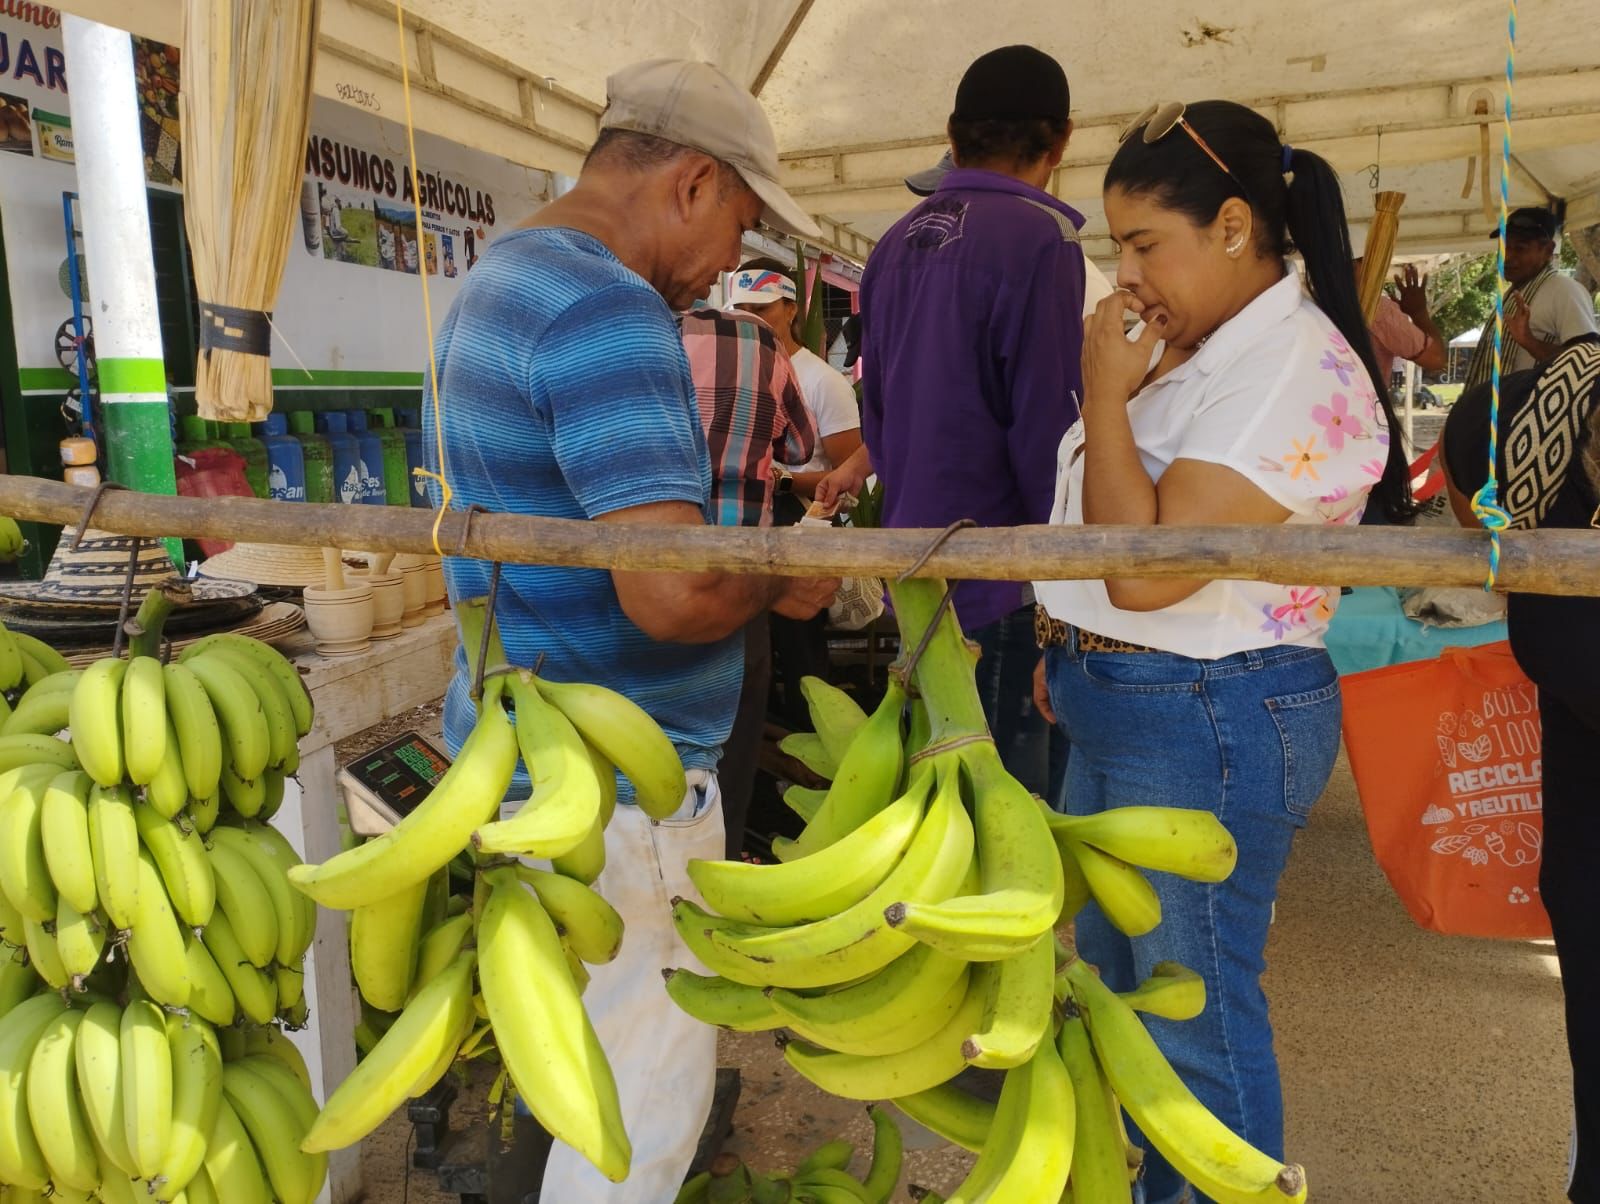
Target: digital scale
x=385, y=785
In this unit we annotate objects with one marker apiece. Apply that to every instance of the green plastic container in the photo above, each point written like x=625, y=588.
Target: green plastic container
x=396, y=471
x=195, y=433
x=256, y=467
x=318, y=456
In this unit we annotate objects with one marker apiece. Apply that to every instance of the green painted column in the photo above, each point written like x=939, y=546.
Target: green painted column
x=133, y=417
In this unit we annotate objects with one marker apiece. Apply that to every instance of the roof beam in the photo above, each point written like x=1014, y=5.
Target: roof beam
x=1422, y=123
x=767, y=68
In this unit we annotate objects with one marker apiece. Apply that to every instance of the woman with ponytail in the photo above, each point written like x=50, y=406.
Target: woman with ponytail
x=1249, y=398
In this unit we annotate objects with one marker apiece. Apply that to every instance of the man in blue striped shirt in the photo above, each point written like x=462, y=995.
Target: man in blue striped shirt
x=566, y=394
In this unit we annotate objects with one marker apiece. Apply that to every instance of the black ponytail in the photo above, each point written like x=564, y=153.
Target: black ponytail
x=1319, y=232
x=1303, y=213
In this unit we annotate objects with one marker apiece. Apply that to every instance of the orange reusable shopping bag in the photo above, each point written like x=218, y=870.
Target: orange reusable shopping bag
x=1446, y=756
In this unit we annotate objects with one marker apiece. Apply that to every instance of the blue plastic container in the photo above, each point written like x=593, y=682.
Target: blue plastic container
x=286, y=461
x=373, y=490
x=348, y=478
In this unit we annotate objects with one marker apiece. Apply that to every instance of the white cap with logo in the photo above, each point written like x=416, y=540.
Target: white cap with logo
x=696, y=105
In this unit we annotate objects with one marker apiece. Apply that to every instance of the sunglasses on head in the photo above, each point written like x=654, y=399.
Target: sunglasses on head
x=1159, y=120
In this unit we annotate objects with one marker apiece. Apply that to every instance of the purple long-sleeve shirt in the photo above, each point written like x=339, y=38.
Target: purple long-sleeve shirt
x=972, y=337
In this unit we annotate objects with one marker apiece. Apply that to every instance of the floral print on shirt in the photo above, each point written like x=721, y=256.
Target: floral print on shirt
x=1343, y=424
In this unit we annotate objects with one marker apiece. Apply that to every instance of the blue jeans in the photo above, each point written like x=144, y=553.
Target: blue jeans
x=1252, y=738
x=1032, y=751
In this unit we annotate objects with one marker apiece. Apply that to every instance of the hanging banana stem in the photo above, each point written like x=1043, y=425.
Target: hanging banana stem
x=943, y=674
x=145, y=628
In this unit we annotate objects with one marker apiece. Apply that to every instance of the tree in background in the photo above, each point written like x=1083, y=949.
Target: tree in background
x=1463, y=291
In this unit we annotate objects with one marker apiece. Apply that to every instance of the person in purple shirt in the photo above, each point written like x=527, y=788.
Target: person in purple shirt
x=972, y=329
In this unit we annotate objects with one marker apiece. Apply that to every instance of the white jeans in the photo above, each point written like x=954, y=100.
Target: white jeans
x=664, y=1061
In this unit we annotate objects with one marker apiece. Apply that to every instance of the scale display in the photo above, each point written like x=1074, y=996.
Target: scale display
x=399, y=775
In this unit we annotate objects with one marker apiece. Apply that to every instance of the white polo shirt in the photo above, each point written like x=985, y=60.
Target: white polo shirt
x=830, y=398
x=1277, y=395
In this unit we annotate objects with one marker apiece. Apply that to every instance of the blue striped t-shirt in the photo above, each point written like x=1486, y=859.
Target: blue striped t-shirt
x=565, y=393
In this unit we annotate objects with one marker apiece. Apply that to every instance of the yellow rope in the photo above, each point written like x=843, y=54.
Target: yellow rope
x=427, y=307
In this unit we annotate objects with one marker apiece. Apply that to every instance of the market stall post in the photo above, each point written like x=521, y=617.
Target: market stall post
x=134, y=419
x=350, y=694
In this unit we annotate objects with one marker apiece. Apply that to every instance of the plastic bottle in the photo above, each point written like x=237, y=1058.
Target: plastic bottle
x=373, y=492
x=195, y=434
x=348, y=483
x=286, y=463
x=317, y=455
x=415, y=458
x=396, y=486
x=237, y=436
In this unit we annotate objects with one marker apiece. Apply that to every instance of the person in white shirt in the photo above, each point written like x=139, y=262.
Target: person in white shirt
x=765, y=288
x=1260, y=408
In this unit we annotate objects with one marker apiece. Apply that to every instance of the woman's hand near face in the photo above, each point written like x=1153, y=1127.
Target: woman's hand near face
x=1113, y=364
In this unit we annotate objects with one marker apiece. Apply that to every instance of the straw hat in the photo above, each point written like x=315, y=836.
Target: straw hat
x=91, y=576
x=266, y=564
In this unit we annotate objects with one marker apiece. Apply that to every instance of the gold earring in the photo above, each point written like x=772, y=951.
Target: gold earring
x=1235, y=248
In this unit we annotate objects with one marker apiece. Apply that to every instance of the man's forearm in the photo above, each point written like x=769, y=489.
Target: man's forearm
x=1541, y=350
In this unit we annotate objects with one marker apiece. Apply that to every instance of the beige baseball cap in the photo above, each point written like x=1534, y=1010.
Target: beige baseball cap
x=696, y=105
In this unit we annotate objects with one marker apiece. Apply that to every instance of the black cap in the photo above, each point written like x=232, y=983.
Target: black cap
x=1014, y=83
x=1529, y=223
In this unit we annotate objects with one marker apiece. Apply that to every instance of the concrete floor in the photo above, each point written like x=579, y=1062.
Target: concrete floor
x=1418, y=1069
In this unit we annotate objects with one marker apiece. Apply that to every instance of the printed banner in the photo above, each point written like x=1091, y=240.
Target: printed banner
x=35, y=115
x=357, y=205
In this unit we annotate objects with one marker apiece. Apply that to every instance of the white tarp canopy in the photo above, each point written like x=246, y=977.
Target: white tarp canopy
x=859, y=90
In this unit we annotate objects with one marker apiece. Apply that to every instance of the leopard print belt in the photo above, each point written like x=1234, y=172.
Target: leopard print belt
x=1053, y=633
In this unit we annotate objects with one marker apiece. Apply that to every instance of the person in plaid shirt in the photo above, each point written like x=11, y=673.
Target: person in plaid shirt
x=753, y=411
x=751, y=407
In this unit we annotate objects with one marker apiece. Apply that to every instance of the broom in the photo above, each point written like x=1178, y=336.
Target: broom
x=1380, y=250
x=245, y=104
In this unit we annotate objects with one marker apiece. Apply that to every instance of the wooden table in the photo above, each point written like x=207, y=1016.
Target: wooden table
x=351, y=694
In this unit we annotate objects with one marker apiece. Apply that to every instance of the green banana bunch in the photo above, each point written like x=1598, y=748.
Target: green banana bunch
x=39, y=660
x=856, y=941
x=13, y=671
x=815, y=886
x=430, y=836
x=866, y=779
x=1201, y=1148
x=889, y=1076
x=12, y=543
x=735, y=1006
x=834, y=714
x=899, y=1007
x=953, y=1113
x=810, y=751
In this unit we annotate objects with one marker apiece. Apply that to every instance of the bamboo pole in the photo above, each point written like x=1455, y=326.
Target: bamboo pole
x=1544, y=562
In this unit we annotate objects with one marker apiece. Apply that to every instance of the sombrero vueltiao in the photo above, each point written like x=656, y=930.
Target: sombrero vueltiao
x=267, y=564
x=91, y=577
